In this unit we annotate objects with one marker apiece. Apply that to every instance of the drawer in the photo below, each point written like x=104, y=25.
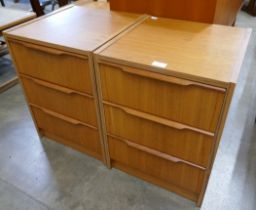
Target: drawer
x=61, y=100
x=164, y=136
x=68, y=131
x=151, y=163
x=183, y=101
x=56, y=66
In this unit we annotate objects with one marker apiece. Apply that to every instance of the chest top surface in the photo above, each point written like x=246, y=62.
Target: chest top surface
x=11, y=17
x=82, y=26
x=211, y=52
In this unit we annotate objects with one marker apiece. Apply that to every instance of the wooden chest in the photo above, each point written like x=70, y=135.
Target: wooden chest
x=165, y=88
x=144, y=94
x=53, y=57
x=208, y=11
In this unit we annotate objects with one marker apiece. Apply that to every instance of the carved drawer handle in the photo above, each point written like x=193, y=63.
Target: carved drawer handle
x=49, y=50
x=169, y=79
x=55, y=87
x=159, y=120
x=164, y=78
x=160, y=154
x=46, y=84
x=62, y=117
x=43, y=49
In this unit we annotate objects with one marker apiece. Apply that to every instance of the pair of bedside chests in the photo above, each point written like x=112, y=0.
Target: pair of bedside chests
x=146, y=95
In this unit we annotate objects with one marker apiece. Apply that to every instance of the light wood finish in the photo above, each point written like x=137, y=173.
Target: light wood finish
x=159, y=154
x=165, y=98
x=164, y=138
x=98, y=25
x=192, y=105
x=210, y=11
x=53, y=57
x=228, y=100
x=162, y=121
x=71, y=131
x=226, y=11
x=172, y=172
x=161, y=100
x=194, y=51
x=12, y=17
x=62, y=100
x=53, y=65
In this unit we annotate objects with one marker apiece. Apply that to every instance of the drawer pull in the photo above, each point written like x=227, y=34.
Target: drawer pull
x=62, y=117
x=43, y=49
x=48, y=50
x=164, y=78
x=159, y=120
x=169, y=79
x=159, y=154
x=55, y=87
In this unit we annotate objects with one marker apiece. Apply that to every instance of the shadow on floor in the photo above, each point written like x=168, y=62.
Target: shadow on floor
x=7, y=71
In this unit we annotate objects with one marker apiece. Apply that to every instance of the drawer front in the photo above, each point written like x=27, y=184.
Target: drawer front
x=179, y=174
x=71, y=131
x=59, y=67
x=178, y=100
x=60, y=100
x=182, y=143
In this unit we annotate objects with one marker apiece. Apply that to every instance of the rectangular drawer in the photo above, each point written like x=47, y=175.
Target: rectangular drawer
x=183, y=101
x=147, y=162
x=56, y=66
x=166, y=137
x=68, y=131
x=61, y=100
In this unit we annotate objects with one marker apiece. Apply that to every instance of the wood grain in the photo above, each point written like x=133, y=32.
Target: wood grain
x=182, y=175
x=157, y=116
x=195, y=51
x=159, y=120
x=226, y=11
x=53, y=56
x=68, y=129
x=185, y=144
x=210, y=11
x=58, y=68
x=160, y=123
x=98, y=26
x=191, y=105
x=155, y=180
x=69, y=103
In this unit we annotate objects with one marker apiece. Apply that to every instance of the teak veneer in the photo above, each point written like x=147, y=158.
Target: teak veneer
x=147, y=95
x=53, y=57
x=165, y=87
x=208, y=11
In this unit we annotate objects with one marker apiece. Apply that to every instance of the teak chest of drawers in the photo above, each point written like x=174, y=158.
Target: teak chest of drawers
x=210, y=11
x=53, y=57
x=146, y=95
x=164, y=98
